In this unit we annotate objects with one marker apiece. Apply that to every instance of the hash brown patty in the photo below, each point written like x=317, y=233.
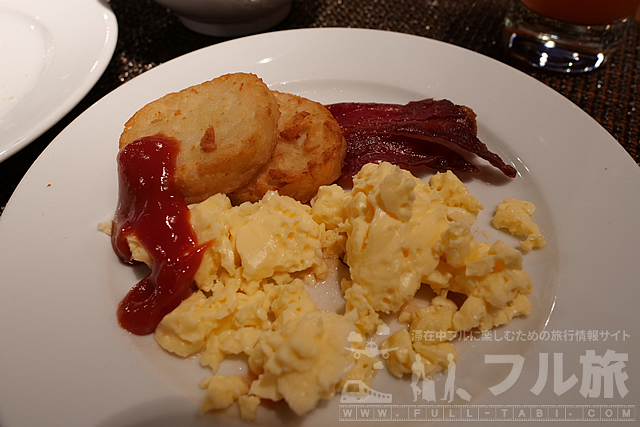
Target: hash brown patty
x=227, y=128
x=309, y=153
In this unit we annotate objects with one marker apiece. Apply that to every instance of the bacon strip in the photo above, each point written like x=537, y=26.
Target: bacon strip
x=401, y=150
x=424, y=125
x=354, y=114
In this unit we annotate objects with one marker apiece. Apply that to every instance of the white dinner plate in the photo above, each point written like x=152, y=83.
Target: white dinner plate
x=53, y=52
x=64, y=360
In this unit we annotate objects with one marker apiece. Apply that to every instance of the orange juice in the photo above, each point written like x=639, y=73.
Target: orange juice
x=585, y=12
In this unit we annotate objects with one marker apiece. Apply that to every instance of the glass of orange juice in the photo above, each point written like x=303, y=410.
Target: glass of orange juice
x=570, y=36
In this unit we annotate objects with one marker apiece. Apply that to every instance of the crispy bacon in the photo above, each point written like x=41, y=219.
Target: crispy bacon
x=354, y=114
x=401, y=150
x=412, y=135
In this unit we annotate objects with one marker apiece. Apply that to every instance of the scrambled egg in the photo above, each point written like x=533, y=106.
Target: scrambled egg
x=397, y=232
x=392, y=223
x=515, y=216
x=271, y=239
x=394, y=231
x=302, y=361
x=252, y=300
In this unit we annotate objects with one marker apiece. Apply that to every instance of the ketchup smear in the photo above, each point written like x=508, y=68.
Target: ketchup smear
x=152, y=209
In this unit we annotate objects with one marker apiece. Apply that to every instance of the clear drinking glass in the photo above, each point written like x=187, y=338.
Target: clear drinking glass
x=571, y=36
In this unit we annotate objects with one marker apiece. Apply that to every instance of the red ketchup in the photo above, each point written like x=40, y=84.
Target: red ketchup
x=152, y=209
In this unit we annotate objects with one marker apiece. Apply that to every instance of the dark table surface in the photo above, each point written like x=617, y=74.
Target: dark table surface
x=150, y=35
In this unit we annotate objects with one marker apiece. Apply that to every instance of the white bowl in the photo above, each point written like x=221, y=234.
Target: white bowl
x=229, y=18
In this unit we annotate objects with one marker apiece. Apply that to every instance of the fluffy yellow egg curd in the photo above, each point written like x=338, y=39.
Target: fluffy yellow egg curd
x=395, y=233
x=515, y=216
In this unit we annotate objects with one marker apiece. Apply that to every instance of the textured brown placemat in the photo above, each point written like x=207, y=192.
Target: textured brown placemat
x=150, y=35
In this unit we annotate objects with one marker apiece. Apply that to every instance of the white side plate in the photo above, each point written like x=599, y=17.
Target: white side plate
x=53, y=52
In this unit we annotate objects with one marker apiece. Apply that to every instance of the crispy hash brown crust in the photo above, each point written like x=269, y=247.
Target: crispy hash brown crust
x=227, y=128
x=309, y=153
